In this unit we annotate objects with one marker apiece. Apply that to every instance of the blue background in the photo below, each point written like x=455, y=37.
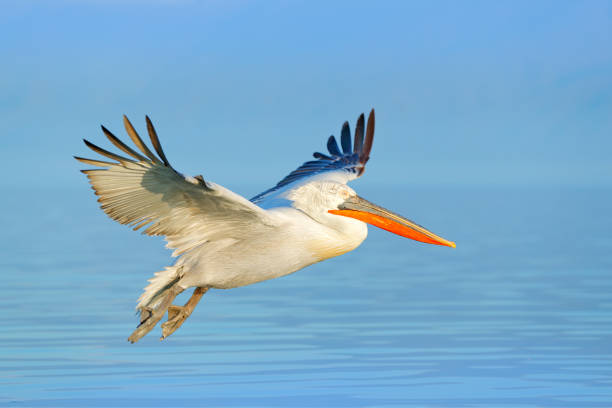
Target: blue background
x=493, y=129
x=465, y=92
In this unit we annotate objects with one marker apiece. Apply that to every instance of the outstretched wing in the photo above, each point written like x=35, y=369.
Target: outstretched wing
x=343, y=165
x=144, y=191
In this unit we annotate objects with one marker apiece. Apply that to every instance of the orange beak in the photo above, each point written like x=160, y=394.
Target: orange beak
x=363, y=210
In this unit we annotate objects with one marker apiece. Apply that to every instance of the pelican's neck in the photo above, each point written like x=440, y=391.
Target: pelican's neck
x=338, y=235
x=329, y=234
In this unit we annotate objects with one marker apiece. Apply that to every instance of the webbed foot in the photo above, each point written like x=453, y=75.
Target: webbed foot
x=178, y=314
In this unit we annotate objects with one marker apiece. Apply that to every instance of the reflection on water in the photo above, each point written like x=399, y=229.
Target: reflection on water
x=519, y=315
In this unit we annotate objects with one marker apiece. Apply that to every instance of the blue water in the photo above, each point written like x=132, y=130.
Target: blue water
x=519, y=315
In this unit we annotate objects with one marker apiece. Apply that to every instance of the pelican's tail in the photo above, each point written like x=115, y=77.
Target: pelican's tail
x=158, y=285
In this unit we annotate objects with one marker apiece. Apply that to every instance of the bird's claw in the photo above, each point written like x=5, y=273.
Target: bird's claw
x=176, y=316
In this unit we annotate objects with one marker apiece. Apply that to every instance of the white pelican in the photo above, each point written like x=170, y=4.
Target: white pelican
x=223, y=240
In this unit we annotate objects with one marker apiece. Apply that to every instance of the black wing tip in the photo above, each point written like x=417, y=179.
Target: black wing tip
x=364, y=155
x=106, y=153
x=90, y=145
x=107, y=132
x=149, y=122
x=332, y=146
x=138, y=141
x=345, y=138
x=155, y=141
x=371, y=118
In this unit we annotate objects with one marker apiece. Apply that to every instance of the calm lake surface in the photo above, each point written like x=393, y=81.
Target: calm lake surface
x=519, y=315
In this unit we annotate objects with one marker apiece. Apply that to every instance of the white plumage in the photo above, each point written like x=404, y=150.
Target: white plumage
x=223, y=240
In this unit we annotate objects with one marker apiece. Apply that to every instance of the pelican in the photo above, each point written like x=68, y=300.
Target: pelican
x=222, y=240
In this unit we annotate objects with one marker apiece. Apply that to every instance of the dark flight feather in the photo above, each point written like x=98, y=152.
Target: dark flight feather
x=345, y=138
x=106, y=153
x=138, y=141
x=155, y=141
x=358, y=134
x=352, y=161
x=332, y=146
x=114, y=140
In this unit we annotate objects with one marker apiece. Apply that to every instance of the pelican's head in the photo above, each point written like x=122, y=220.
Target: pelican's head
x=315, y=198
x=330, y=203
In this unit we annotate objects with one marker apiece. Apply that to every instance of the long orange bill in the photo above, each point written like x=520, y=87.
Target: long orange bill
x=363, y=210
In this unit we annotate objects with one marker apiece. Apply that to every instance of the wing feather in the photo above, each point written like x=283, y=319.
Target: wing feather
x=138, y=141
x=155, y=140
x=148, y=194
x=106, y=153
x=346, y=138
x=359, y=134
x=341, y=166
x=332, y=146
x=364, y=154
x=93, y=162
x=114, y=140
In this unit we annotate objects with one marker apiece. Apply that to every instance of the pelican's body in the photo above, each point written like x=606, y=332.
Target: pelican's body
x=289, y=243
x=222, y=240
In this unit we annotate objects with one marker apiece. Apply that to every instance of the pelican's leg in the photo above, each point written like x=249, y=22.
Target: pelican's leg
x=178, y=314
x=150, y=317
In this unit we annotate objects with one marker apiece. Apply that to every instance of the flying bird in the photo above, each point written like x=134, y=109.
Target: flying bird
x=221, y=239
